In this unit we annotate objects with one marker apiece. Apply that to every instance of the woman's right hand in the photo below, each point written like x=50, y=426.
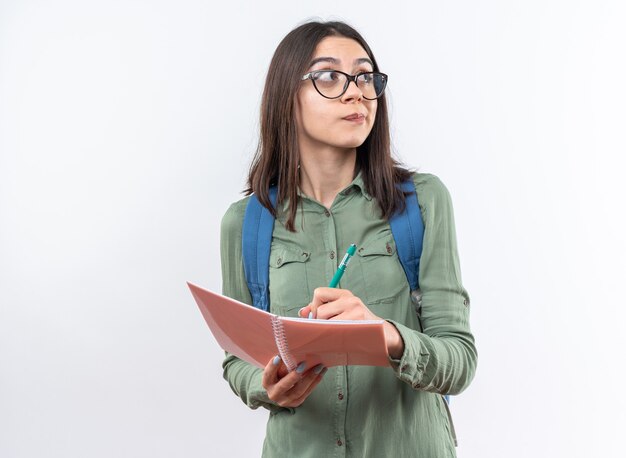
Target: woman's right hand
x=290, y=389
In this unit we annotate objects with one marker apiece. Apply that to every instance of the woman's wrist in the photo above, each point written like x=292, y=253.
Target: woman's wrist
x=395, y=343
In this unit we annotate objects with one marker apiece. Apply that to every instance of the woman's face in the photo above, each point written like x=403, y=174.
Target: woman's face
x=345, y=122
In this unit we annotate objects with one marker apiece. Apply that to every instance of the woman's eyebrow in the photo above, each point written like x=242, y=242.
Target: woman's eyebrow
x=332, y=60
x=363, y=60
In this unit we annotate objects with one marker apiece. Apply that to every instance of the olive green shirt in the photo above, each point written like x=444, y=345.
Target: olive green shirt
x=363, y=411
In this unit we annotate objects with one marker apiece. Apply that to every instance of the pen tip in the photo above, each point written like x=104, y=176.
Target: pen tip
x=352, y=249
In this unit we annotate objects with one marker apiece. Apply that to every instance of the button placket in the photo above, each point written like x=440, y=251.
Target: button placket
x=331, y=245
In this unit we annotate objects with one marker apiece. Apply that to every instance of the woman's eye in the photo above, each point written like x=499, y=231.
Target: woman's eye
x=327, y=77
x=367, y=77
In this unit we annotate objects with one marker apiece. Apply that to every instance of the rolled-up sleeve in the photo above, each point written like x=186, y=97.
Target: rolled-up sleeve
x=442, y=357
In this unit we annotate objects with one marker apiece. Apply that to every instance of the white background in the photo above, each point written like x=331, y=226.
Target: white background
x=127, y=127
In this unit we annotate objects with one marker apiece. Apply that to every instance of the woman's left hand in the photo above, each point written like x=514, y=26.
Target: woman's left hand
x=341, y=304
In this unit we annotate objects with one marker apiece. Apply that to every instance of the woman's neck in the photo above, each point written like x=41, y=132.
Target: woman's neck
x=326, y=172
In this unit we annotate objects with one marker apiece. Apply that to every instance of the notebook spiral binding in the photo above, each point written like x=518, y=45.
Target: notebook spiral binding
x=281, y=343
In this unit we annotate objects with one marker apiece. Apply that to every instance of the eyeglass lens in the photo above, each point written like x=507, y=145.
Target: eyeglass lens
x=331, y=84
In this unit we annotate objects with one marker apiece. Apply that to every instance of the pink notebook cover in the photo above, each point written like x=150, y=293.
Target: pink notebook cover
x=257, y=336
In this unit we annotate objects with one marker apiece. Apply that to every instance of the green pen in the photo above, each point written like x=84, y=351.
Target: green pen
x=342, y=267
x=340, y=270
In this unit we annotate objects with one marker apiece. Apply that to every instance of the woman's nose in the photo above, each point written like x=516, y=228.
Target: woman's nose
x=353, y=93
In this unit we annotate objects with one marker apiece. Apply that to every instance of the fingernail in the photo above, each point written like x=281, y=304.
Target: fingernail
x=300, y=311
x=310, y=315
x=300, y=368
x=276, y=360
x=318, y=368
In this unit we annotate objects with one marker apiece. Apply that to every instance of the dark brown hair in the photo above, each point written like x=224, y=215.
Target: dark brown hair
x=276, y=159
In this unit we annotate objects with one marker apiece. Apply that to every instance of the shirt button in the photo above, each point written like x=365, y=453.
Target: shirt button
x=340, y=396
x=339, y=443
x=388, y=248
x=326, y=212
x=279, y=261
x=405, y=368
x=332, y=255
x=465, y=302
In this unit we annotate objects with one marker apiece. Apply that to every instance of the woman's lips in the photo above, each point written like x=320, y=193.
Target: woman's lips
x=355, y=117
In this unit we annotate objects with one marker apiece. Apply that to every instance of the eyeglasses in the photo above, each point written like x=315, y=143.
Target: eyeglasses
x=332, y=84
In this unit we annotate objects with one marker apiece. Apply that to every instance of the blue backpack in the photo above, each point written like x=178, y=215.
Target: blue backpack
x=407, y=228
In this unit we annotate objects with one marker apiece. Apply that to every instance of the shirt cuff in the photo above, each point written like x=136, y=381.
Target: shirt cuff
x=411, y=366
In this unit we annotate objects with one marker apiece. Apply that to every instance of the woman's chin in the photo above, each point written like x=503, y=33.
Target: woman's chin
x=351, y=143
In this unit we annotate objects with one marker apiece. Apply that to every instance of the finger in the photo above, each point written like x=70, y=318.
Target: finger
x=309, y=311
x=311, y=383
x=282, y=370
x=281, y=387
x=303, y=384
x=322, y=295
x=305, y=311
x=346, y=307
x=348, y=312
x=331, y=309
x=270, y=373
x=294, y=396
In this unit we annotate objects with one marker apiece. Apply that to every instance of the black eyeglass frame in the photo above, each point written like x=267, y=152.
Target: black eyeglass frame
x=349, y=78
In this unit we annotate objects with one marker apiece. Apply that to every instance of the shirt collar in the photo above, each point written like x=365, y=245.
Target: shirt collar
x=357, y=185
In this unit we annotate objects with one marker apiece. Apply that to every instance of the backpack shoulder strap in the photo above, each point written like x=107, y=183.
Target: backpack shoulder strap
x=407, y=228
x=256, y=241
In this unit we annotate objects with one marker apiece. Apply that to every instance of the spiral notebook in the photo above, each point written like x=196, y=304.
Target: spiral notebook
x=257, y=336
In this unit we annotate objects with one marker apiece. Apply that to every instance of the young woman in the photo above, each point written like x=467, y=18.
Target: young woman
x=325, y=144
